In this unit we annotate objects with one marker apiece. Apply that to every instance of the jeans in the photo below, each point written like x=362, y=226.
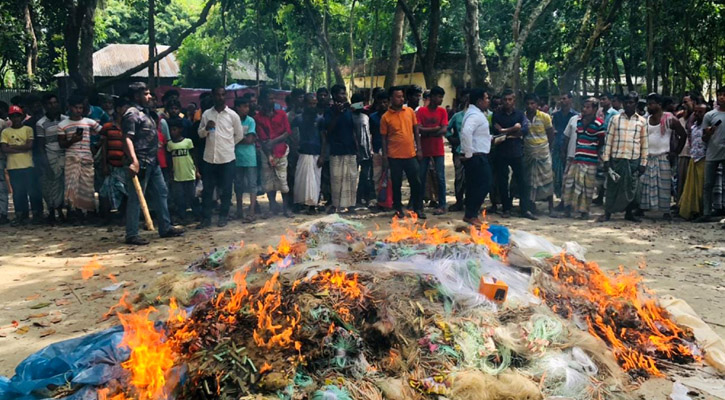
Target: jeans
x=519, y=176
x=156, y=194
x=412, y=171
x=478, y=183
x=36, y=192
x=24, y=189
x=710, y=176
x=184, y=196
x=440, y=175
x=365, y=184
x=221, y=177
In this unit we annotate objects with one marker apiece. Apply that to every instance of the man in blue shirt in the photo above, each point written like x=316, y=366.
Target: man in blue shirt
x=560, y=120
x=510, y=126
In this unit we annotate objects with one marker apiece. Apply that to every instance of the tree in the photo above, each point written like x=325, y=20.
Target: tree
x=426, y=54
x=78, y=41
x=396, y=45
x=479, y=68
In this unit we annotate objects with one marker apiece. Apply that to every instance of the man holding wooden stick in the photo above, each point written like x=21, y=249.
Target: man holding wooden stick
x=141, y=141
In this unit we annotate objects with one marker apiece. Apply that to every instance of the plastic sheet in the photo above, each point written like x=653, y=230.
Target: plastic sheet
x=90, y=360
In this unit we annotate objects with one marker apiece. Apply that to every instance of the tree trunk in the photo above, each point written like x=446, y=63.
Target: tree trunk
x=352, y=48
x=172, y=47
x=585, y=88
x=396, y=45
x=587, y=40
x=152, y=43
x=373, y=56
x=479, y=69
x=511, y=69
x=530, y=70
x=597, y=78
x=615, y=71
x=650, y=46
x=85, y=65
x=431, y=50
x=628, y=74
x=31, y=48
x=78, y=42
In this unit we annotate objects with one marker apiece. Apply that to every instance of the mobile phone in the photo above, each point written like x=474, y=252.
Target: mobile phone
x=79, y=131
x=717, y=123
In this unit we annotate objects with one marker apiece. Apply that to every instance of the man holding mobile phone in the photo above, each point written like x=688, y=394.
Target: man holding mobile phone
x=713, y=134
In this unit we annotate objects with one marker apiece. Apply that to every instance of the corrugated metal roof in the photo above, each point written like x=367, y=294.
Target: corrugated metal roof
x=244, y=71
x=116, y=59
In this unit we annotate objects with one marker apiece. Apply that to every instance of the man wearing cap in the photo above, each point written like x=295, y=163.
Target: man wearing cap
x=17, y=143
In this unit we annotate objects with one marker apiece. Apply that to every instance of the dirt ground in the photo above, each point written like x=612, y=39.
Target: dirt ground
x=43, y=291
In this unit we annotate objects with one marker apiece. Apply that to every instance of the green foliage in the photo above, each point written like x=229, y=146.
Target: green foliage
x=200, y=60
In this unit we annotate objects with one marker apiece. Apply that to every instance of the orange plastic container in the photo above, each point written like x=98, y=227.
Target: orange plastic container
x=494, y=290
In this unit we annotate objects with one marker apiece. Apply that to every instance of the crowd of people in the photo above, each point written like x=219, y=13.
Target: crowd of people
x=75, y=161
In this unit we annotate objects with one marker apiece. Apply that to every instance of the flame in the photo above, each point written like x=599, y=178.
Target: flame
x=272, y=330
x=112, y=278
x=88, y=270
x=281, y=257
x=408, y=229
x=265, y=368
x=338, y=280
x=103, y=395
x=621, y=313
x=482, y=236
x=122, y=304
x=151, y=358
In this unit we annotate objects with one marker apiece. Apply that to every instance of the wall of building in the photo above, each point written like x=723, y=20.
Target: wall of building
x=445, y=80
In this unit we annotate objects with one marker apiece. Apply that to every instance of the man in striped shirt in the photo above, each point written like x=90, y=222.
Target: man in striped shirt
x=626, y=154
x=580, y=181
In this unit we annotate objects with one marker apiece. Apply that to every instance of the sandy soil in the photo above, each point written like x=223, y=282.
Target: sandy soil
x=41, y=267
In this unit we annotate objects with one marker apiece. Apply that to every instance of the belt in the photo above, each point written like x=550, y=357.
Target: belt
x=480, y=154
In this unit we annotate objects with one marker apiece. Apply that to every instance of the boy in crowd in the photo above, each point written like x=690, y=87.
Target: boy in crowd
x=245, y=178
x=113, y=190
x=17, y=143
x=185, y=170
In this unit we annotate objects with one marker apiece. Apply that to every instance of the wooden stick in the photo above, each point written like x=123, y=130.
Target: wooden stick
x=75, y=294
x=144, y=206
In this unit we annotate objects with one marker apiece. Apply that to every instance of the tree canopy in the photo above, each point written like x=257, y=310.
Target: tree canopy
x=590, y=46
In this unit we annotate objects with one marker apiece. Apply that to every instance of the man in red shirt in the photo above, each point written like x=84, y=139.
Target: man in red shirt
x=273, y=129
x=433, y=121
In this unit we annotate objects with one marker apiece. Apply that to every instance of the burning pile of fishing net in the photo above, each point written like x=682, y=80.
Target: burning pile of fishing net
x=333, y=313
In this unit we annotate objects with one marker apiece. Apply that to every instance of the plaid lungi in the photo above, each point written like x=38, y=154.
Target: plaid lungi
x=579, y=186
x=343, y=180
x=657, y=184
x=53, y=181
x=79, y=177
x=537, y=162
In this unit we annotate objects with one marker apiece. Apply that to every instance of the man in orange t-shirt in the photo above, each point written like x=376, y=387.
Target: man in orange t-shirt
x=402, y=151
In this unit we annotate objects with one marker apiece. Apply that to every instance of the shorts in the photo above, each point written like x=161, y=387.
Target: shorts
x=245, y=180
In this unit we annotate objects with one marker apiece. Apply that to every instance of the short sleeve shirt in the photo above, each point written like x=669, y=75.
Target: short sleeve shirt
x=397, y=127
x=588, y=140
x=48, y=130
x=340, y=132
x=309, y=128
x=137, y=125
x=183, y=163
x=716, y=144
x=432, y=146
x=537, y=130
x=18, y=137
x=90, y=128
x=271, y=127
x=246, y=154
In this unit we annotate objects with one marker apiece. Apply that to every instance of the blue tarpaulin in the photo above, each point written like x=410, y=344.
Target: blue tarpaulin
x=89, y=361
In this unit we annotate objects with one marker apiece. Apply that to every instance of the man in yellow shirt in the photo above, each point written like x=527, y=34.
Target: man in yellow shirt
x=17, y=143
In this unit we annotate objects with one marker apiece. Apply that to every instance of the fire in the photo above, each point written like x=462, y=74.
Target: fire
x=339, y=281
x=281, y=257
x=482, y=236
x=151, y=358
x=122, y=305
x=408, y=229
x=619, y=312
x=273, y=330
x=88, y=270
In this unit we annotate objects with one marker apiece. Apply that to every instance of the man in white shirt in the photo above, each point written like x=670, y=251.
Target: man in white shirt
x=475, y=146
x=222, y=128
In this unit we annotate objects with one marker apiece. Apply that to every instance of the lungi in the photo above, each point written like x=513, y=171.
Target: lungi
x=308, y=178
x=79, y=176
x=274, y=177
x=53, y=181
x=343, y=180
x=624, y=191
x=657, y=184
x=691, y=198
x=537, y=163
x=114, y=186
x=580, y=184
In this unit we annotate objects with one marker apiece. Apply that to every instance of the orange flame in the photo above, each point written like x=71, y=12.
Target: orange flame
x=408, y=229
x=645, y=332
x=122, y=305
x=88, y=270
x=151, y=356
